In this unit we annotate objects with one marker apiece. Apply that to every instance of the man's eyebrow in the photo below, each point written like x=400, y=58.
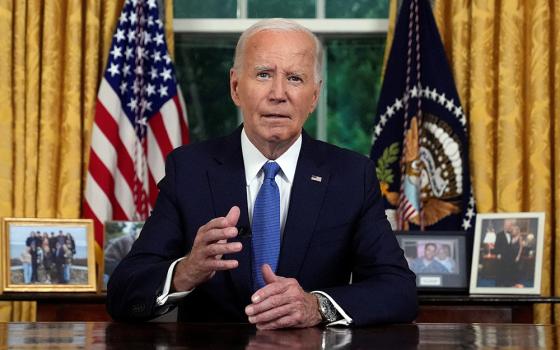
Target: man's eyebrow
x=261, y=68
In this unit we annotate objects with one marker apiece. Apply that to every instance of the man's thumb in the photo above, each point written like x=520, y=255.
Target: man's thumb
x=233, y=215
x=268, y=275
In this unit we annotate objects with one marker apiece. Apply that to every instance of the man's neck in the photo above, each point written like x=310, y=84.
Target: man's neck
x=272, y=150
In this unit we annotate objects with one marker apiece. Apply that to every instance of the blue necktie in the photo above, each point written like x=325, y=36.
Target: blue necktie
x=266, y=225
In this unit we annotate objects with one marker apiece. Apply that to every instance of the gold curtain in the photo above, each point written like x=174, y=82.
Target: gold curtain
x=504, y=58
x=53, y=53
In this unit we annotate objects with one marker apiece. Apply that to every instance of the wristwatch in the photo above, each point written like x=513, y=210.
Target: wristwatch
x=326, y=309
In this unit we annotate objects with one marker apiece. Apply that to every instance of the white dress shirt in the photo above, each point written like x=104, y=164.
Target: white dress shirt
x=253, y=161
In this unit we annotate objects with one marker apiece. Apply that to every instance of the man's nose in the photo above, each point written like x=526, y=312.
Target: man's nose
x=278, y=90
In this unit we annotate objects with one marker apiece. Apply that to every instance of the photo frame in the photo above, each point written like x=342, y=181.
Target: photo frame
x=118, y=240
x=47, y=255
x=438, y=258
x=507, y=253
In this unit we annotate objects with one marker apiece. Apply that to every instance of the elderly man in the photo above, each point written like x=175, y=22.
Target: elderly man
x=267, y=225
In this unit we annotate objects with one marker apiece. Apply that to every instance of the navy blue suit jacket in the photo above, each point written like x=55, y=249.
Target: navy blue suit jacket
x=335, y=227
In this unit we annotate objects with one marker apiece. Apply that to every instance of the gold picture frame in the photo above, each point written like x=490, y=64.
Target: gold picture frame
x=47, y=255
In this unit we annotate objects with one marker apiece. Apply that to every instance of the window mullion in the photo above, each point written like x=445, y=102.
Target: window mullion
x=242, y=9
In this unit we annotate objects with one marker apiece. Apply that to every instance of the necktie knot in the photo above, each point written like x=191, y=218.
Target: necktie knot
x=270, y=170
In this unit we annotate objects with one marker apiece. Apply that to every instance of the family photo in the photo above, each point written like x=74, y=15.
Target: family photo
x=507, y=253
x=431, y=256
x=48, y=255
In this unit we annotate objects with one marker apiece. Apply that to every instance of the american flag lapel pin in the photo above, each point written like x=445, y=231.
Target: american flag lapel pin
x=316, y=178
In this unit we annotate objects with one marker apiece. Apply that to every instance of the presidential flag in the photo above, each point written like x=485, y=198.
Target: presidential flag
x=420, y=144
x=139, y=118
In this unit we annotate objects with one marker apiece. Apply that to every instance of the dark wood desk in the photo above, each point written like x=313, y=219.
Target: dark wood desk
x=433, y=308
x=241, y=336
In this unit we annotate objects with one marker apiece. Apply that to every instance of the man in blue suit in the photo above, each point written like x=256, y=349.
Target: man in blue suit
x=231, y=240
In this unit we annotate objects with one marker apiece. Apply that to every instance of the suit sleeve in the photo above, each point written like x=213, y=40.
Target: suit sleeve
x=138, y=279
x=383, y=288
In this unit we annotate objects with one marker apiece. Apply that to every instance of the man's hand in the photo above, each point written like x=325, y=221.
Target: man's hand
x=282, y=303
x=205, y=257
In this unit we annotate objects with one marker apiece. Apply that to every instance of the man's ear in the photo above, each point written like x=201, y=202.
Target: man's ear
x=233, y=85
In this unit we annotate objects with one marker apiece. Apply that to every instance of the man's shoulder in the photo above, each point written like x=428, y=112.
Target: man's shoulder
x=338, y=155
x=204, y=150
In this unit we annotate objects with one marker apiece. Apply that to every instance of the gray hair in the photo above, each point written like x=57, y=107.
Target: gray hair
x=279, y=24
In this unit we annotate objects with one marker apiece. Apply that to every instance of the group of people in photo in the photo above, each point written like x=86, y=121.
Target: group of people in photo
x=434, y=260
x=48, y=258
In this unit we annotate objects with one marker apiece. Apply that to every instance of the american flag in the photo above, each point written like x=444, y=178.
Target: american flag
x=139, y=118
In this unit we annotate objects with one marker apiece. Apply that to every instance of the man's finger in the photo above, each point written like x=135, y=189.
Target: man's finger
x=217, y=235
x=268, y=275
x=222, y=248
x=270, y=303
x=272, y=314
x=233, y=215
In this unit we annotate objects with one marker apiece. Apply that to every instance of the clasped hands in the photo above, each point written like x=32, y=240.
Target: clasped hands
x=281, y=303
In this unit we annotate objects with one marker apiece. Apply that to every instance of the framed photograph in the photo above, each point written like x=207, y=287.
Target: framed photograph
x=118, y=240
x=47, y=255
x=507, y=253
x=438, y=258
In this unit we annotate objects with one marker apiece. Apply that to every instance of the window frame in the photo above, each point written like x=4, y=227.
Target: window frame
x=324, y=28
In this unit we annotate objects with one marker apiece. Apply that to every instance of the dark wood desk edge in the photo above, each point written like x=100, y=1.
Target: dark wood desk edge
x=423, y=299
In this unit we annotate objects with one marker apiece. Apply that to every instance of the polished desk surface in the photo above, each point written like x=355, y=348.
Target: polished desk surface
x=241, y=336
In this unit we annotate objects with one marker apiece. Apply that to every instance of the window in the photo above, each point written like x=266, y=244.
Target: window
x=353, y=33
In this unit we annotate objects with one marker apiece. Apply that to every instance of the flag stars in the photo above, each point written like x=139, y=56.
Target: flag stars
x=159, y=23
x=159, y=39
x=139, y=70
x=466, y=224
x=136, y=86
x=133, y=18
x=166, y=74
x=150, y=89
x=398, y=104
x=123, y=87
x=128, y=52
x=113, y=69
x=131, y=35
x=133, y=104
x=390, y=111
x=162, y=90
x=123, y=18
x=126, y=70
x=449, y=105
x=119, y=35
x=383, y=119
x=116, y=52
x=153, y=73
x=167, y=58
x=442, y=99
x=152, y=4
x=378, y=129
x=414, y=92
x=156, y=56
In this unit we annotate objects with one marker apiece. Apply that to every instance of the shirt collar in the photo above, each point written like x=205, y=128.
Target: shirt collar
x=254, y=160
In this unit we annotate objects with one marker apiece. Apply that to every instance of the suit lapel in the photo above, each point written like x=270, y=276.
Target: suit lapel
x=308, y=191
x=227, y=183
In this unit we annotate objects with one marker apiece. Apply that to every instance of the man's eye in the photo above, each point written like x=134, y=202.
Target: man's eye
x=295, y=78
x=263, y=75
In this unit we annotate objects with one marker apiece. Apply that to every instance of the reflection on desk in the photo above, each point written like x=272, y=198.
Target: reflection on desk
x=242, y=336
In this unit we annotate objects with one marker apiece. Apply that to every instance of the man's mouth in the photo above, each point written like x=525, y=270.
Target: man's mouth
x=275, y=115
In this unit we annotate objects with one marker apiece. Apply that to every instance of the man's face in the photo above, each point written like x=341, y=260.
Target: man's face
x=508, y=225
x=429, y=252
x=275, y=86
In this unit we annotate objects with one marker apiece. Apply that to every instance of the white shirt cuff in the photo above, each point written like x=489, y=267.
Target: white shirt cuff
x=345, y=320
x=165, y=297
